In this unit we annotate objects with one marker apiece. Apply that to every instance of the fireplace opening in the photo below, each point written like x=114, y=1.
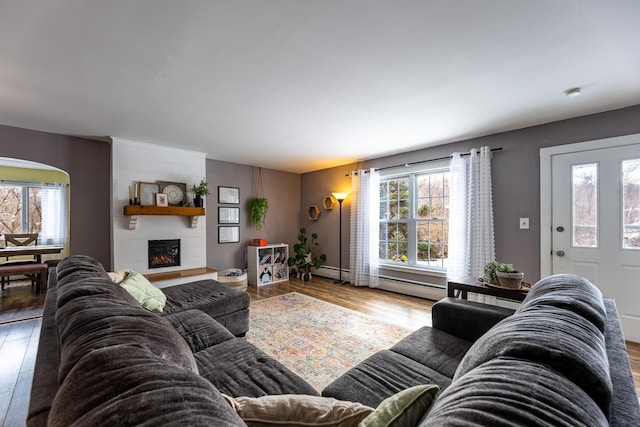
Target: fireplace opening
x=164, y=253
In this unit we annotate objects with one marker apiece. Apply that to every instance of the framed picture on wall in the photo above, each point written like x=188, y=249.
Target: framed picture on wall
x=228, y=215
x=228, y=195
x=228, y=234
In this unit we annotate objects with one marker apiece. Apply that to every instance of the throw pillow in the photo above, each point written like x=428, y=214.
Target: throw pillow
x=298, y=410
x=404, y=408
x=147, y=295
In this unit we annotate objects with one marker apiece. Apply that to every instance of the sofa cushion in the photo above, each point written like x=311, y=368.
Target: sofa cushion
x=210, y=296
x=514, y=392
x=102, y=320
x=569, y=292
x=147, y=295
x=555, y=337
x=434, y=348
x=227, y=305
x=238, y=368
x=128, y=385
x=380, y=376
x=298, y=410
x=198, y=329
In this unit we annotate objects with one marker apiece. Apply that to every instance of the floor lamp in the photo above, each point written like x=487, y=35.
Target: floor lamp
x=340, y=198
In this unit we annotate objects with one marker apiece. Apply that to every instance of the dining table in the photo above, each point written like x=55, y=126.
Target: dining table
x=37, y=251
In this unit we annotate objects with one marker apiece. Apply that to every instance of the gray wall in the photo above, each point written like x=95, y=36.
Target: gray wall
x=281, y=225
x=516, y=183
x=88, y=164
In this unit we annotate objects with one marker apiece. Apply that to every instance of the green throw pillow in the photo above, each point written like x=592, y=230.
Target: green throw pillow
x=147, y=295
x=404, y=408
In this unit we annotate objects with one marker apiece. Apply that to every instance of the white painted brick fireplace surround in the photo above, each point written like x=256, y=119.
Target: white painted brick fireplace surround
x=135, y=161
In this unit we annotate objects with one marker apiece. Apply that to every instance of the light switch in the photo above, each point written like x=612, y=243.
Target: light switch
x=524, y=223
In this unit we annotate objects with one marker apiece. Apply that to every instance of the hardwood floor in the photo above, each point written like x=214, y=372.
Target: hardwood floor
x=19, y=339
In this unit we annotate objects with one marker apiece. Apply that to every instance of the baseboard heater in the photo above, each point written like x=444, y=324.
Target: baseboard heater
x=415, y=288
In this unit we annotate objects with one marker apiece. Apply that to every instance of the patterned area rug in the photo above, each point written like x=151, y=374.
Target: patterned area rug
x=317, y=340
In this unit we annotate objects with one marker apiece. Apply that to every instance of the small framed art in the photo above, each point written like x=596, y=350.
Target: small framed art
x=228, y=234
x=228, y=195
x=162, y=200
x=228, y=215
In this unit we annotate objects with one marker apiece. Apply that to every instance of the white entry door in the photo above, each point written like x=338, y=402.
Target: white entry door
x=595, y=224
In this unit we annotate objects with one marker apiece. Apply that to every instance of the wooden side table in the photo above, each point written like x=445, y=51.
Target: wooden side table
x=471, y=284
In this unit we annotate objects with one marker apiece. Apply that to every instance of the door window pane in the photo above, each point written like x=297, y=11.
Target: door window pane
x=585, y=205
x=631, y=204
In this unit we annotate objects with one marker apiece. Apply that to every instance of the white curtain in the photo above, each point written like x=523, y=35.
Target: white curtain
x=365, y=207
x=54, y=214
x=471, y=235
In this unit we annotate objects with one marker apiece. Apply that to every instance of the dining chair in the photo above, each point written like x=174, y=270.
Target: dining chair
x=21, y=239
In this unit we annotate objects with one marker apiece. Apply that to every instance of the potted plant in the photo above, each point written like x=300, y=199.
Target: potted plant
x=258, y=208
x=304, y=258
x=502, y=274
x=199, y=190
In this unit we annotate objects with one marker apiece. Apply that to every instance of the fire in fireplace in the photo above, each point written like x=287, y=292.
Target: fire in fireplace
x=164, y=253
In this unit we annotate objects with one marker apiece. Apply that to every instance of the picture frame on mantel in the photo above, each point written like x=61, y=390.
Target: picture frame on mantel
x=228, y=195
x=147, y=193
x=228, y=234
x=162, y=200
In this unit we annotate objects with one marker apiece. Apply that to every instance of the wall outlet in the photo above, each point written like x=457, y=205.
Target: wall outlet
x=524, y=223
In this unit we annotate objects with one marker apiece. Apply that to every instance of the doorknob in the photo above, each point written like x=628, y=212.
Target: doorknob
x=560, y=229
x=560, y=253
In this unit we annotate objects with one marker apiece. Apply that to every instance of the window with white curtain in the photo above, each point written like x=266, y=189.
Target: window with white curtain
x=414, y=218
x=27, y=207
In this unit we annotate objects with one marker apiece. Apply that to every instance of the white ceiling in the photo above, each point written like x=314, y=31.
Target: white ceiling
x=301, y=85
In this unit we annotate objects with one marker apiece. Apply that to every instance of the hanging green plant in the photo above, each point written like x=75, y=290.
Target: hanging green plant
x=258, y=208
x=259, y=205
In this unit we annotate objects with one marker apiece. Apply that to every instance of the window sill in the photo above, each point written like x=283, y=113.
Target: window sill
x=414, y=270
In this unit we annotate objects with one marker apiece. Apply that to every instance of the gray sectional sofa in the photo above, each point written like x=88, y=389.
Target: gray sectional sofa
x=104, y=360
x=560, y=359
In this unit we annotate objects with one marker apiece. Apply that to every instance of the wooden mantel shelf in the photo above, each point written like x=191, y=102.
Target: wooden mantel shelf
x=133, y=211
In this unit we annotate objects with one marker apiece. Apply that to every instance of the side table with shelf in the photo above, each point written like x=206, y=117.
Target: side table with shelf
x=471, y=284
x=267, y=264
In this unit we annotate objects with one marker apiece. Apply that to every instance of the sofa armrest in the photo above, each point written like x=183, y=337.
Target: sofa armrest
x=464, y=319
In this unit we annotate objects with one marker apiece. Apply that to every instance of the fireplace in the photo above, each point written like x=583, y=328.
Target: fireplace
x=164, y=253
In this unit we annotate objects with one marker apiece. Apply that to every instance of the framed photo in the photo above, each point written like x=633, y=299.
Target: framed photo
x=229, y=195
x=162, y=200
x=228, y=234
x=147, y=193
x=176, y=192
x=228, y=215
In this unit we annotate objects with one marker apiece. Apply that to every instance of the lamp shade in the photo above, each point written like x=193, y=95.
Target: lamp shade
x=340, y=196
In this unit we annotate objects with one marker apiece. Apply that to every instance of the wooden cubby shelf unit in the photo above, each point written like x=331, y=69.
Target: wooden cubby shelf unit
x=133, y=211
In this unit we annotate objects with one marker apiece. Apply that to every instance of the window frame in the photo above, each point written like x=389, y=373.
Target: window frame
x=412, y=173
x=25, y=187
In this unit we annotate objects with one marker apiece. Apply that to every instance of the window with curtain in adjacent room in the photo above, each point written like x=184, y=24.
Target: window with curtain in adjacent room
x=414, y=217
x=28, y=207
